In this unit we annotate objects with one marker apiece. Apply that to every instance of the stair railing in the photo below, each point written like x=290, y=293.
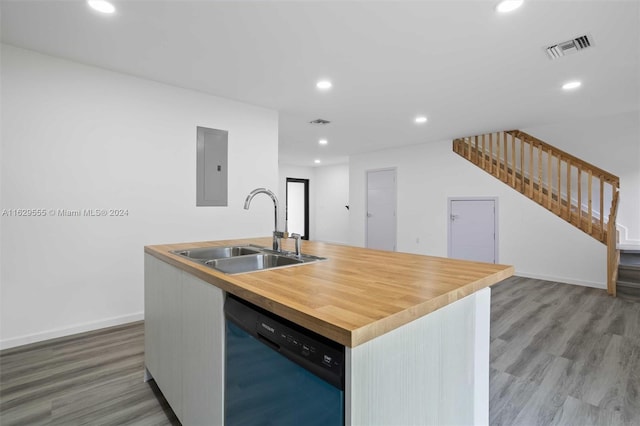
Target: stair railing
x=568, y=186
x=613, y=254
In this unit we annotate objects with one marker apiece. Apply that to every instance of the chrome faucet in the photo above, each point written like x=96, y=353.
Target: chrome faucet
x=277, y=235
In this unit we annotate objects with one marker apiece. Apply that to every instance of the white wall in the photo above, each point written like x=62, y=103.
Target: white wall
x=78, y=137
x=332, y=195
x=613, y=144
x=534, y=240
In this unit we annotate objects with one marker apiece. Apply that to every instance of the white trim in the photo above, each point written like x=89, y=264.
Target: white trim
x=563, y=280
x=626, y=243
x=67, y=331
x=366, y=204
x=338, y=243
x=496, y=222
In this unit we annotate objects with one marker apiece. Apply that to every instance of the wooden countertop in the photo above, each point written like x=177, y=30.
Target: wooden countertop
x=354, y=296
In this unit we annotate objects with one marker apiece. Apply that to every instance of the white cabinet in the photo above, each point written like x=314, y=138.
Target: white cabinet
x=184, y=341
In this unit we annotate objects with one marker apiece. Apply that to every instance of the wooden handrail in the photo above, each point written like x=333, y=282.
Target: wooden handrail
x=609, y=177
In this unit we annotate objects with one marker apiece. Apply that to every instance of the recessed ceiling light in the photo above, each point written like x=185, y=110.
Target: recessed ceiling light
x=316, y=161
x=324, y=85
x=101, y=6
x=507, y=6
x=571, y=85
x=421, y=119
x=323, y=142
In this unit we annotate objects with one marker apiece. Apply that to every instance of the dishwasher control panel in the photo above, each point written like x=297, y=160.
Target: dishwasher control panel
x=321, y=356
x=300, y=344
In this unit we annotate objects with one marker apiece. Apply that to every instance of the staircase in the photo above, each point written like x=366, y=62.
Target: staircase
x=629, y=273
x=580, y=193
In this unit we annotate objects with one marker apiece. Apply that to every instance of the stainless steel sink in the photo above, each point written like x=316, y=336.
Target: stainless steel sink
x=208, y=253
x=256, y=262
x=241, y=259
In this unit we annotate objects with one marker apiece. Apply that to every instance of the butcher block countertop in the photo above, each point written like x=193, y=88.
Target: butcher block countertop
x=356, y=295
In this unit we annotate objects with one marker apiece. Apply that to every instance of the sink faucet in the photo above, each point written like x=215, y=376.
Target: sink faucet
x=277, y=235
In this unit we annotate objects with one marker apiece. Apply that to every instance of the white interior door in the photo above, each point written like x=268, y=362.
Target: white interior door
x=381, y=209
x=473, y=230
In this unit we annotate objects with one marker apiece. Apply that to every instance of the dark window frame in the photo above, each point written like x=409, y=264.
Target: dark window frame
x=306, y=203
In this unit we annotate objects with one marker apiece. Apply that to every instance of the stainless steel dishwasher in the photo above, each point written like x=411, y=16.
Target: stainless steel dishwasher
x=278, y=373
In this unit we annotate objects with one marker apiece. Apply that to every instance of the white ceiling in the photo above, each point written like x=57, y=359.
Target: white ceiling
x=467, y=68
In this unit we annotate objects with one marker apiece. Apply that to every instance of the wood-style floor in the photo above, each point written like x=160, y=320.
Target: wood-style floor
x=560, y=355
x=93, y=378
x=563, y=355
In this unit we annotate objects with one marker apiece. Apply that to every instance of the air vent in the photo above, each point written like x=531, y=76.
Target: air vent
x=320, y=122
x=569, y=47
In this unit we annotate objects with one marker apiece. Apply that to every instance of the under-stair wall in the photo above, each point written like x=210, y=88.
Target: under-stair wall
x=581, y=193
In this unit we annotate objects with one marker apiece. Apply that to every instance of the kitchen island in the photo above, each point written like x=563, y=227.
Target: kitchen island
x=415, y=328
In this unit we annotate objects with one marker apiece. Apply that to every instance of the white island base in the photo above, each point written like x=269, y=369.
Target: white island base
x=431, y=371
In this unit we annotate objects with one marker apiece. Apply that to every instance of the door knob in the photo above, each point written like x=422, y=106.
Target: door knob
x=369, y=215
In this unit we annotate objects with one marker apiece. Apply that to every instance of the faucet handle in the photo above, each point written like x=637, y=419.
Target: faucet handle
x=281, y=234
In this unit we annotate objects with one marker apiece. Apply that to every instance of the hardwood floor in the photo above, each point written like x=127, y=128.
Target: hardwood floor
x=560, y=355
x=93, y=378
x=563, y=355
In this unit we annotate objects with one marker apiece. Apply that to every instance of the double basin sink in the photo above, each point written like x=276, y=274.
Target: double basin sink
x=241, y=259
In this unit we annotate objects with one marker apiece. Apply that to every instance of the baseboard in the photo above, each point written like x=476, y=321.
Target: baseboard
x=67, y=331
x=338, y=243
x=564, y=280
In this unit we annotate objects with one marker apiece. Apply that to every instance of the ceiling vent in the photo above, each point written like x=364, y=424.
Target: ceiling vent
x=569, y=47
x=320, y=122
